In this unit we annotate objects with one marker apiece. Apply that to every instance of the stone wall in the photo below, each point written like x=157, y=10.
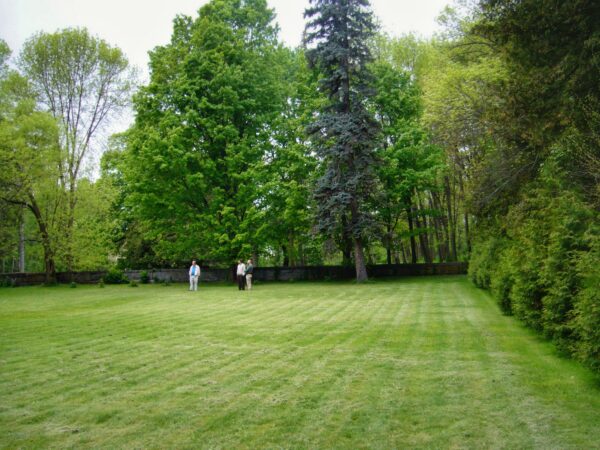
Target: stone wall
x=311, y=273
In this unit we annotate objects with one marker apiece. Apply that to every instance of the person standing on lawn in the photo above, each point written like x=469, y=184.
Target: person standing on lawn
x=241, y=272
x=194, y=275
x=249, y=270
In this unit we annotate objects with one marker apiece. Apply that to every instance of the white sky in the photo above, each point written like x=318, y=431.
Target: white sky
x=137, y=26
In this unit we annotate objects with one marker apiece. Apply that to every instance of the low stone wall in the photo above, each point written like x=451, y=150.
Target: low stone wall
x=178, y=275
x=311, y=273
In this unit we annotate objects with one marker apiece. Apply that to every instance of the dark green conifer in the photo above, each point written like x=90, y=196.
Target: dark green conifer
x=337, y=36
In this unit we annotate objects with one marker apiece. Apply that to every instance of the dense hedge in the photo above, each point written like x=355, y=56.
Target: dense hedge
x=542, y=264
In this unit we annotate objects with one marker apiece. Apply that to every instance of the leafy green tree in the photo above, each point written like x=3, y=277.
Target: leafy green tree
x=10, y=220
x=128, y=238
x=550, y=50
x=94, y=224
x=408, y=163
x=345, y=132
x=202, y=130
x=29, y=156
x=289, y=170
x=82, y=81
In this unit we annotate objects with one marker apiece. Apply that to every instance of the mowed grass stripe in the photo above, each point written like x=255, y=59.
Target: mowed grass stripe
x=414, y=363
x=278, y=398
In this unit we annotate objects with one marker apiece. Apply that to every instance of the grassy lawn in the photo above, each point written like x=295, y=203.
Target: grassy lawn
x=412, y=363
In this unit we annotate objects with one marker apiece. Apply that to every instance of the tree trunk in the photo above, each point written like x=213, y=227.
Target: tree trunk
x=301, y=254
x=451, y=221
x=286, y=258
x=359, y=261
x=69, y=251
x=442, y=224
x=50, y=267
x=22, y=240
x=427, y=233
x=413, y=244
x=291, y=250
x=346, y=243
x=466, y=215
x=404, y=260
x=467, y=235
x=388, y=246
x=423, y=241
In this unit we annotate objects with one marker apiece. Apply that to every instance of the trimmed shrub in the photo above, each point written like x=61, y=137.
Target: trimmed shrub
x=6, y=282
x=502, y=281
x=586, y=311
x=115, y=276
x=483, y=260
x=546, y=269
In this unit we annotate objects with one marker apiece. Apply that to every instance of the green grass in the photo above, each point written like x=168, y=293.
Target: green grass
x=411, y=363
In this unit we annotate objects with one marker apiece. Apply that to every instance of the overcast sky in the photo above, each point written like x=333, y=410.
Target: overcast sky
x=137, y=26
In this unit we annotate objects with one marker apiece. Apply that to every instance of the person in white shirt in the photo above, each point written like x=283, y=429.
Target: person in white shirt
x=194, y=275
x=249, y=270
x=241, y=275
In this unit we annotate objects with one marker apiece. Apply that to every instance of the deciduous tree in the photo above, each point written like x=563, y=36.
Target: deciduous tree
x=202, y=130
x=29, y=157
x=82, y=81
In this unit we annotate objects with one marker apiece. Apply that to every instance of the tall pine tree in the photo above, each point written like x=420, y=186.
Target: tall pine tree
x=337, y=35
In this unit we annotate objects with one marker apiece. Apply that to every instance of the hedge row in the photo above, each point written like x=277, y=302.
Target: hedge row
x=542, y=264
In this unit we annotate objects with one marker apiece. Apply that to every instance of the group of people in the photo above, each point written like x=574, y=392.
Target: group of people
x=244, y=275
x=243, y=272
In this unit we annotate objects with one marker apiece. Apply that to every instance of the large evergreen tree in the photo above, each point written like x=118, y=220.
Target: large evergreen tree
x=337, y=36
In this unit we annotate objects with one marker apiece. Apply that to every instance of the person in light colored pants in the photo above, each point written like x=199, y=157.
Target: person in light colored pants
x=194, y=275
x=249, y=270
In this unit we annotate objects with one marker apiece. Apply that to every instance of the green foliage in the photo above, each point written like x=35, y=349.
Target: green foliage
x=4, y=55
x=115, y=276
x=483, y=261
x=287, y=177
x=196, y=153
x=144, y=277
x=542, y=271
x=30, y=161
x=133, y=283
x=94, y=224
x=72, y=284
x=501, y=274
x=517, y=104
x=552, y=49
x=586, y=312
x=82, y=81
x=5, y=282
